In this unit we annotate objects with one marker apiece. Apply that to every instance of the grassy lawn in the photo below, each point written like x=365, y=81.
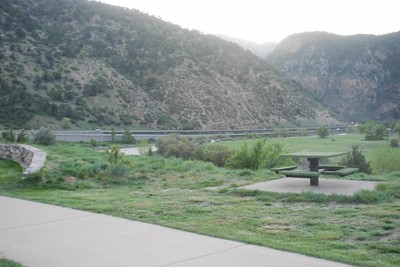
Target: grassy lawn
x=333, y=143
x=362, y=230
x=8, y=171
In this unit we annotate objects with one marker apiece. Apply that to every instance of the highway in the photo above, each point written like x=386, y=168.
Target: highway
x=107, y=135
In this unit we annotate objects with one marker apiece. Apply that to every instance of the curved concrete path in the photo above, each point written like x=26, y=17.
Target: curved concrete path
x=45, y=235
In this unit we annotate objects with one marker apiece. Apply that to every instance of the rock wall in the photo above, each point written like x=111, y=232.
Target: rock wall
x=29, y=157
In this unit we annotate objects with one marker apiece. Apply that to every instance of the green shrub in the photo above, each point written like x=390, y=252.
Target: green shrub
x=240, y=159
x=175, y=145
x=262, y=155
x=82, y=169
x=322, y=131
x=217, y=154
x=386, y=160
x=356, y=159
x=93, y=142
x=115, y=155
x=66, y=123
x=45, y=137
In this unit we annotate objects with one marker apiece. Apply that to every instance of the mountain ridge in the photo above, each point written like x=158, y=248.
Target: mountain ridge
x=356, y=76
x=103, y=65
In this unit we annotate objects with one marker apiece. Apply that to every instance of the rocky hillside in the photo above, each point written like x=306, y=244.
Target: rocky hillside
x=102, y=65
x=356, y=76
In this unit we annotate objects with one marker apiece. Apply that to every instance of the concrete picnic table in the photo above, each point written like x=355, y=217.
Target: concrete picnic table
x=313, y=158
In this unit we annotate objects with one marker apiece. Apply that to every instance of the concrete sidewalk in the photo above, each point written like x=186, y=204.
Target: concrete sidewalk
x=44, y=235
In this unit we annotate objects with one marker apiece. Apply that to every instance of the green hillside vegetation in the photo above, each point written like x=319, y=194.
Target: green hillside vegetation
x=98, y=64
x=356, y=76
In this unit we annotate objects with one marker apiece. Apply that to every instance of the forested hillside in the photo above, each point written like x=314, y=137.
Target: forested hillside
x=356, y=76
x=98, y=64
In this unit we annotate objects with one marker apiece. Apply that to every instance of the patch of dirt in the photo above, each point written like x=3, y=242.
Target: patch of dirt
x=392, y=236
x=274, y=228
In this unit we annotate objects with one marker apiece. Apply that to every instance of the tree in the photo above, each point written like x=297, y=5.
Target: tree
x=356, y=159
x=380, y=132
x=322, y=131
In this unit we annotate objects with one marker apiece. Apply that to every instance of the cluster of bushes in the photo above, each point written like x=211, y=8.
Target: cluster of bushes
x=373, y=131
x=10, y=136
x=176, y=146
x=262, y=155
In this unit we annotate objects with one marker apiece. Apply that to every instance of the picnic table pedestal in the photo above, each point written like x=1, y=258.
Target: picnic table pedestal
x=314, y=163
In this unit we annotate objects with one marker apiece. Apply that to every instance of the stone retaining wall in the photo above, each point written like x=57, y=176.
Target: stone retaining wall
x=29, y=157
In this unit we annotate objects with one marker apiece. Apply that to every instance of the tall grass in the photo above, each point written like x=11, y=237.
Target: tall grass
x=385, y=160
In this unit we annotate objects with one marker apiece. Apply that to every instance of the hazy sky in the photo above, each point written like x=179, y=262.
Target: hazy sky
x=273, y=20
